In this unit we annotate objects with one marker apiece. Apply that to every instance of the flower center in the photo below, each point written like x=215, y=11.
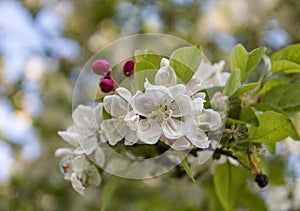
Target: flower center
x=160, y=113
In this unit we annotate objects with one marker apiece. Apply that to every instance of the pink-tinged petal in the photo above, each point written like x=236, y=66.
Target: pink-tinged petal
x=113, y=130
x=149, y=131
x=173, y=128
x=125, y=93
x=99, y=157
x=194, y=86
x=198, y=138
x=76, y=184
x=181, y=106
x=165, y=75
x=115, y=105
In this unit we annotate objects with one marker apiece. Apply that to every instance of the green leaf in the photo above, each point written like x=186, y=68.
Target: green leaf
x=185, y=61
x=248, y=115
x=273, y=83
x=211, y=196
x=245, y=88
x=108, y=191
x=287, y=59
x=271, y=147
x=272, y=127
x=233, y=83
x=252, y=201
x=148, y=56
x=142, y=70
x=245, y=61
x=284, y=97
x=185, y=166
x=294, y=133
x=230, y=183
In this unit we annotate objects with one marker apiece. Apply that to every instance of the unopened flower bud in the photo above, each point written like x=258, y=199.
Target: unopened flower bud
x=262, y=180
x=101, y=67
x=106, y=85
x=128, y=68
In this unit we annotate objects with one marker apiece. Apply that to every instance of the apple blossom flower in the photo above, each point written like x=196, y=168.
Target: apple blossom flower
x=207, y=76
x=83, y=139
x=121, y=125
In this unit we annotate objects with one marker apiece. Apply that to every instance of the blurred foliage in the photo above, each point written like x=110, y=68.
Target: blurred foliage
x=216, y=25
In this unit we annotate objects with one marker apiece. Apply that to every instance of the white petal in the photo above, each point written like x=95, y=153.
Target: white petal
x=63, y=151
x=125, y=93
x=181, y=106
x=149, y=131
x=178, y=89
x=99, y=114
x=198, y=138
x=173, y=128
x=94, y=176
x=144, y=103
x=131, y=137
x=76, y=184
x=181, y=144
x=113, y=130
x=209, y=120
x=132, y=120
x=198, y=104
x=204, y=71
x=82, y=115
x=177, y=144
x=115, y=105
x=99, y=157
x=80, y=163
x=88, y=143
x=165, y=75
x=193, y=86
x=70, y=138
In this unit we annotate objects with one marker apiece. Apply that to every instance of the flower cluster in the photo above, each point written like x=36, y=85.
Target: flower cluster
x=166, y=111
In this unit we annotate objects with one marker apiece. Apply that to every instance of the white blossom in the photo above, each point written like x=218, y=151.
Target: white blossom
x=83, y=139
x=122, y=123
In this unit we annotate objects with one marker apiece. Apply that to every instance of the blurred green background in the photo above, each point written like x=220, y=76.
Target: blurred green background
x=43, y=46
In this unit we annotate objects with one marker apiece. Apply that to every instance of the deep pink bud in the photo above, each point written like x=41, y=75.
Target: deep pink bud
x=101, y=67
x=106, y=85
x=259, y=99
x=128, y=68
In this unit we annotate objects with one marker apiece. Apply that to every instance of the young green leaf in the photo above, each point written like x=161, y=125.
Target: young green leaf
x=108, y=191
x=287, y=59
x=245, y=88
x=148, y=56
x=185, y=61
x=142, y=70
x=248, y=115
x=271, y=147
x=245, y=61
x=185, y=166
x=233, y=83
x=272, y=127
x=273, y=83
x=230, y=183
x=284, y=97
